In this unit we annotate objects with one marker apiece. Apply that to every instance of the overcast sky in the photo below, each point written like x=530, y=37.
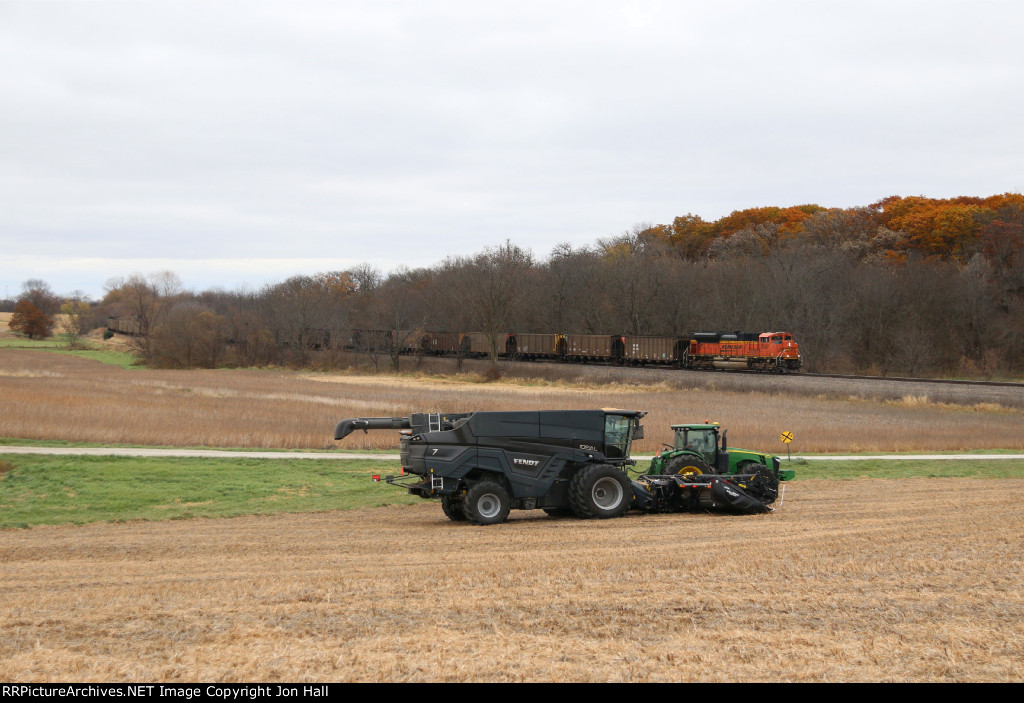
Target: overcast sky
x=239, y=143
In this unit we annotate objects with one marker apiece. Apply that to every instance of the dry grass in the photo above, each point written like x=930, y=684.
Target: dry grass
x=51, y=396
x=911, y=580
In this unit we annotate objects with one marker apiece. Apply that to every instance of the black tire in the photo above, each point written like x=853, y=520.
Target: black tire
x=764, y=484
x=452, y=508
x=687, y=464
x=600, y=491
x=559, y=512
x=749, y=467
x=486, y=503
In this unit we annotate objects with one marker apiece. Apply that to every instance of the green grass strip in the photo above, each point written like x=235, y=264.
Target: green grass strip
x=58, y=345
x=48, y=490
x=64, y=444
x=908, y=468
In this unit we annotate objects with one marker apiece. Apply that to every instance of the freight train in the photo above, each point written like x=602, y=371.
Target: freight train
x=775, y=352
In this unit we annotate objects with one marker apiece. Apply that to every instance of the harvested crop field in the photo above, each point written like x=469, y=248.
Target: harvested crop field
x=870, y=580
x=49, y=396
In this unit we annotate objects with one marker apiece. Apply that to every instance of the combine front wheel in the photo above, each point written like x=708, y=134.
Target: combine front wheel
x=453, y=509
x=486, y=503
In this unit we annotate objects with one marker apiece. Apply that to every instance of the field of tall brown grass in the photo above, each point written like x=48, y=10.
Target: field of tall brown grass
x=45, y=395
x=905, y=580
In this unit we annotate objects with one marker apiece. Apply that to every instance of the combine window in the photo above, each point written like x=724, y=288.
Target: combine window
x=616, y=436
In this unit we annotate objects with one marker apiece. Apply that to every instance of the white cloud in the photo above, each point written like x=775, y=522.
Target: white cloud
x=407, y=132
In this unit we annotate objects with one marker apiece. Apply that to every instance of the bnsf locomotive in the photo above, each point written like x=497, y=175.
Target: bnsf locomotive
x=767, y=351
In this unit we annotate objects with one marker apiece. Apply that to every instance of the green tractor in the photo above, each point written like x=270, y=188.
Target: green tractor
x=702, y=449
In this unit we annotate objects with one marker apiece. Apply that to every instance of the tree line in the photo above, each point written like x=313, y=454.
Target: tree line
x=914, y=286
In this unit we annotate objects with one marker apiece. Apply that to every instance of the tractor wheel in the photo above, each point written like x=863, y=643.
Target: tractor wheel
x=687, y=465
x=600, y=491
x=749, y=467
x=486, y=503
x=453, y=509
x=559, y=512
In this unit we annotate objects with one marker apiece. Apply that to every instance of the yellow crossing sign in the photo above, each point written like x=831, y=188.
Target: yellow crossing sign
x=786, y=437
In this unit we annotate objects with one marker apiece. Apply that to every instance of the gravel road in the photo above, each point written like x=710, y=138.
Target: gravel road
x=224, y=454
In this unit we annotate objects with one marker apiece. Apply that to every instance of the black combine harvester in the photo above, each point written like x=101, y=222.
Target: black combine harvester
x=566, y=462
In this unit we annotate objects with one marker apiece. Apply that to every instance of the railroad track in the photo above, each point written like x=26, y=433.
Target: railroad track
x=799, y=374
x=903, y=379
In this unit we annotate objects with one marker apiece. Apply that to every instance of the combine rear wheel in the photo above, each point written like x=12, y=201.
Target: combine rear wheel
x=600, y=491
x=486, y=503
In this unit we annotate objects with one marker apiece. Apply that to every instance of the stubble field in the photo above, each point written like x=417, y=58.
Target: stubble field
x=912, y=580
x=864, y=580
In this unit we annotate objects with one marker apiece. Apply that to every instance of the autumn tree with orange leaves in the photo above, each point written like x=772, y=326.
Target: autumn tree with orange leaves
x=29, y=320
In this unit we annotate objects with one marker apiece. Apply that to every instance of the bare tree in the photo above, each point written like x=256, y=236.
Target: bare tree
x=396, y=311
x=497, y=275
x=147, y=301
x=190, y=336
x=75, y=321
x=571, y=292
x=445, y=303
x=39, y=293
x=301, y=312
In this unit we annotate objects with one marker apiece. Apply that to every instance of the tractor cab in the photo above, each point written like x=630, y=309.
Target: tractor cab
x=698, y=439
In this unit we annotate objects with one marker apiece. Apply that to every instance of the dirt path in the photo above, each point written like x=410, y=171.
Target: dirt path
x=225, y=454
